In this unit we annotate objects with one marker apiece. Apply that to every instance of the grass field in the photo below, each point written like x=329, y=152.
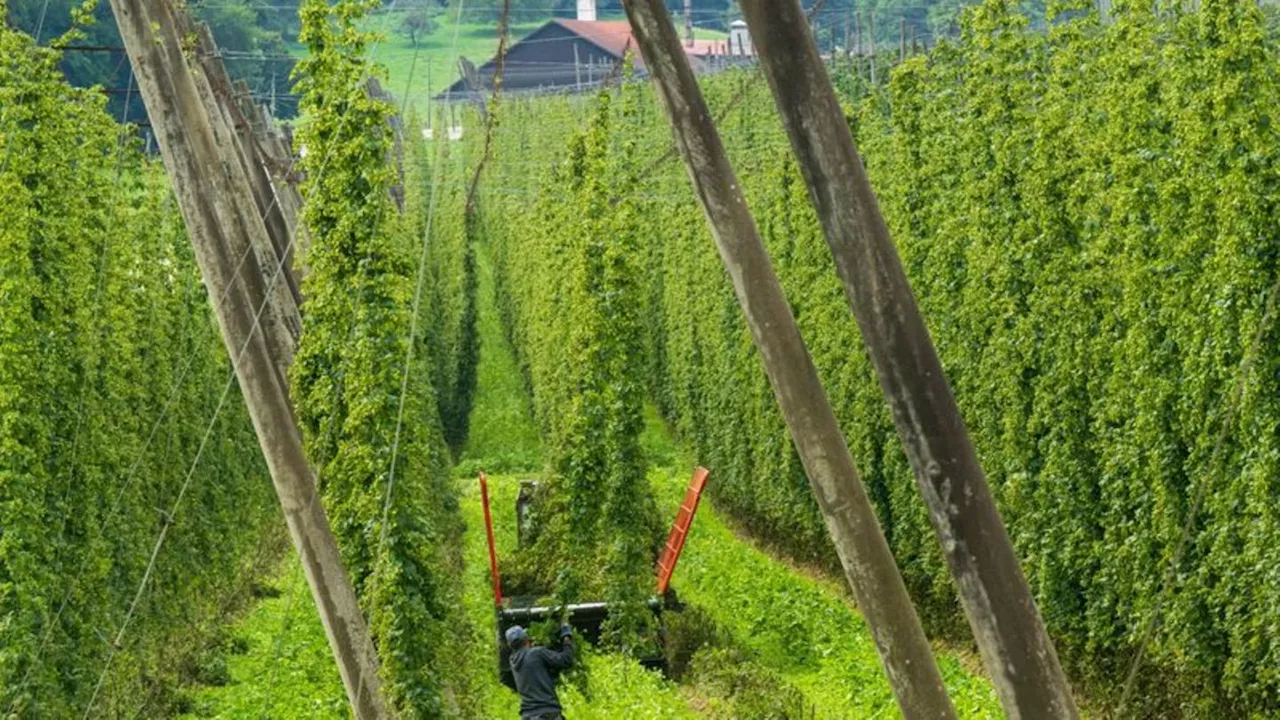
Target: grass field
x=801, y=627
x=502, y=436
x=421, y=72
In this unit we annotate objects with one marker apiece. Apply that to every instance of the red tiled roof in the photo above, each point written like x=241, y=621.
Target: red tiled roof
x=615, y=37
x=612, y=35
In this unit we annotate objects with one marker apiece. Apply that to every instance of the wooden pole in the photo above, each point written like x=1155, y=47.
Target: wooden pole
x=855, y=531
x=234, y=101
x=1015, y=647
x=278, y=159
x=221, y=217
x=281, y=321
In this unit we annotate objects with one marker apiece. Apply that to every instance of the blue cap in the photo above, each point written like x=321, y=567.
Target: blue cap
x=515, y=634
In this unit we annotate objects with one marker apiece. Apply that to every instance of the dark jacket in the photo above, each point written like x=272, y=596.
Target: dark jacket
x=535, y=669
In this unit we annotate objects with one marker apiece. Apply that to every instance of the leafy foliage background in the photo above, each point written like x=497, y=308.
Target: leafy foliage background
x=1087, y=215
x=570, y=289
x=110, y=370
x=382, y=458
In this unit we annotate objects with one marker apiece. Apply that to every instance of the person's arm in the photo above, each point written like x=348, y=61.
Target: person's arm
x=564, y=658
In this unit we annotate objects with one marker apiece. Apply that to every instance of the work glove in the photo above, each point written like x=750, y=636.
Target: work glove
x=565, y=631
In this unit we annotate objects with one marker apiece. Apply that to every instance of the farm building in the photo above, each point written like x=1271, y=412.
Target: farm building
x=574, y=55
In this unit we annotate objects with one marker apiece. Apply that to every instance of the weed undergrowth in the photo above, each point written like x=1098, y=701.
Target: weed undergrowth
x=762, y=639
x=801, y=628
x=276, y=663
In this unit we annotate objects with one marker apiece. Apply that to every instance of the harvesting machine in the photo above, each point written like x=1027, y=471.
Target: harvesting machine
x=587, y=618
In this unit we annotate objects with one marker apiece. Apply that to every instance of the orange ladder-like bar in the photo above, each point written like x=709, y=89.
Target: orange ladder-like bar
x=680, y=530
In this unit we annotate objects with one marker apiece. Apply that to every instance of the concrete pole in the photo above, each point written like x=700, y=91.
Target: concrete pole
x=221, y=219
x=688, y=23
x=864, y=553
x=577, y=67
x=873, y=47
x=1011, y=636
x=857, y=42
x=902, y=38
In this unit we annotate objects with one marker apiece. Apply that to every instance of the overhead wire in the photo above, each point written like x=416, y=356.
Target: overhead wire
x=151, y=436
x=231, y=381
x=1175, y=560
x=44, y=10
x=131, y=474
x=101, y=286
x=62, y=606
x=747, y=86
x=172, y=513
x=550, y=11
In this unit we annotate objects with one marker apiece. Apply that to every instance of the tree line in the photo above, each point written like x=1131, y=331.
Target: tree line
x=257, y=36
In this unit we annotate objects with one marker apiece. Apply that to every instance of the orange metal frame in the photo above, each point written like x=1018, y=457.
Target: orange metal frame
x=670, y=551
x=488, y=529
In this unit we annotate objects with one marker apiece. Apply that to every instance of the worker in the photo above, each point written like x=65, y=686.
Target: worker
x=535, y=670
